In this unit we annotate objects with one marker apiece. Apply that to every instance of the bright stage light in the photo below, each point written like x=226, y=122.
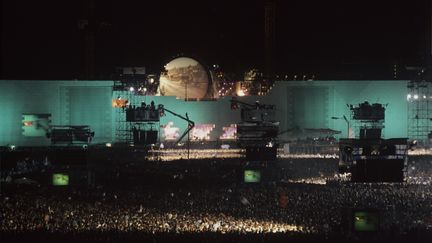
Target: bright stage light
x=131, y=89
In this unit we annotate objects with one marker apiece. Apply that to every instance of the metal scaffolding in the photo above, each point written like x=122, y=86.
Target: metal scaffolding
x=419, y=100
x=123, y=127
x=123, y=132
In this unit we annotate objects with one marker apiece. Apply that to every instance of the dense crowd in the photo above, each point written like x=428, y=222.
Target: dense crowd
x=25, y=166
x=242, y=209
x=302, y=203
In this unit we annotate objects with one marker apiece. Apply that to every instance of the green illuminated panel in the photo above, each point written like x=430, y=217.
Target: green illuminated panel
x=60, y=179
x=252, y=176
x=365, y=221
x=35, y=125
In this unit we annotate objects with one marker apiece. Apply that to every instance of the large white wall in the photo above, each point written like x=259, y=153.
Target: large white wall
x=306, y=104
x=318, y=101
x=68, y=102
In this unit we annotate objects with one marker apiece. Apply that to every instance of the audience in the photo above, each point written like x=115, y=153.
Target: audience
x=235, y=208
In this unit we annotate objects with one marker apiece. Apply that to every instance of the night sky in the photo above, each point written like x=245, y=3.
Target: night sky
x=41, y=39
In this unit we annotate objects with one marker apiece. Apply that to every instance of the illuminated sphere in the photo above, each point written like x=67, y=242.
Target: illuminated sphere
x=184, y=78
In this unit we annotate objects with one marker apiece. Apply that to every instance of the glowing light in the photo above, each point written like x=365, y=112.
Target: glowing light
x=109, y=145
x=241, y=93
x=170, y=132
x=28, y=123
x=229, y=132
x=131, y=89
x=416, y=96
x=119, y=103
x=184, y=77
x=409, y=96
x=424, y=96
x=201, y=132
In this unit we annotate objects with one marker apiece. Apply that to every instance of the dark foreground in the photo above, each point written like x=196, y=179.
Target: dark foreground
x=205, y=202
x=95, y=236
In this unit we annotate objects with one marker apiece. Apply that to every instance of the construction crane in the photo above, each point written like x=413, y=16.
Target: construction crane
x=191, y=124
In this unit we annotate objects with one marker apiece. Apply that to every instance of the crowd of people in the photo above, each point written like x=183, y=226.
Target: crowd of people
x=24, y=167
x=303, y=203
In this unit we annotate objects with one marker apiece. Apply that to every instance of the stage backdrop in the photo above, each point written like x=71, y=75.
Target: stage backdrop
x=68, y=103
x=299, y=104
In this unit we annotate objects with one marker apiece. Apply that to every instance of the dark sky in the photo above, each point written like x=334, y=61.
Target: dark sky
x=41, y=39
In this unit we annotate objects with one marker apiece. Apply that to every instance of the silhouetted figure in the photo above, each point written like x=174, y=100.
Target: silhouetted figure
x=152, y=106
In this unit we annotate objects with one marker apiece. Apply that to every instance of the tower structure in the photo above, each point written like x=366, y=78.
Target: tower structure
x=419, y=100
x=270, y=36
x=87, y=26
x=369, y=157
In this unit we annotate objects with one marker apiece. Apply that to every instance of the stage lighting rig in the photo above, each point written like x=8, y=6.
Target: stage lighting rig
x=258, y=130
x=369, y=157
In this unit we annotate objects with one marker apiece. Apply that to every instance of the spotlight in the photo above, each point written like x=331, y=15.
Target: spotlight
x=131, y=89
x=109, y=145
x=145, y=89
x=416, y=96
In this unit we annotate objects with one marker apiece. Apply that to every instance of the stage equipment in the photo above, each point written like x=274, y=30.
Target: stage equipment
x=70, y=135
x=258, y=130
x=191, y=124
x=369, y=157
x=142, y=113
x=136, y=81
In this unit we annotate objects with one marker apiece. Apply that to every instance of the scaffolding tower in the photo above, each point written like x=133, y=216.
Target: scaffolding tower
x=123, y=131
x=419, y=100
x=367, y=120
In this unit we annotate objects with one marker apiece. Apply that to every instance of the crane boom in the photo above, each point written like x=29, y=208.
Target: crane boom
x=191, y=123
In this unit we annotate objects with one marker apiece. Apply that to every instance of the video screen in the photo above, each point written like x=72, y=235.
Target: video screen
x=184, y=78
x=252, y=176
x=170, y=132
x=35, y=125
x=119, y=103
x=229, y=132
x=366, y=221
x=201, y=132
x=60, y=179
